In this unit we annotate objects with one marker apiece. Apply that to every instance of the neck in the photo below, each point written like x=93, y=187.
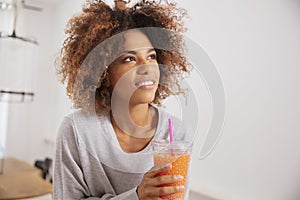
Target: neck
x=140, y=114
x=137, y=120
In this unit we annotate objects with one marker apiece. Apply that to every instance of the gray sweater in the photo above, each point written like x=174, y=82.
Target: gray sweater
x=90, y=164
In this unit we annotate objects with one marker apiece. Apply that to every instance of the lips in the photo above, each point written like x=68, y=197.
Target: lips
x=145, y=83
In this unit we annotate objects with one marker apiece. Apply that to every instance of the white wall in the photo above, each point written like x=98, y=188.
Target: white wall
x=32, y=126
x=3, y=125
x=255, y=46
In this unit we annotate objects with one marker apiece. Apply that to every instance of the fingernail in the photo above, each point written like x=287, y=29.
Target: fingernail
x=181, y=187
x=178, y=177
x=168, y=165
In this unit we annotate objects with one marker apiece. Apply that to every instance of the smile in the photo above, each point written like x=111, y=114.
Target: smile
x=145, y=83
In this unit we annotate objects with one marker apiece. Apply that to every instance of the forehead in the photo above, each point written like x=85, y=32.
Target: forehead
x=136, y=39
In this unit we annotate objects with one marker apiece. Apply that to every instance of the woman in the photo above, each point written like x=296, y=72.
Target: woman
x=117, y=74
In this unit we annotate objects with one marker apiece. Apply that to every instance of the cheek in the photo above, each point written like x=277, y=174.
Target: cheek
x=120, y=78
x=115, y=75
x=157, y=72
x=113, y=78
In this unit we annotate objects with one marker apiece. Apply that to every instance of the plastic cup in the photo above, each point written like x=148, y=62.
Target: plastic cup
x=178, y=155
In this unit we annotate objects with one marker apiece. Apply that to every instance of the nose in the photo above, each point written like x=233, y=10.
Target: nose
x=143, y=69
x=143, y=65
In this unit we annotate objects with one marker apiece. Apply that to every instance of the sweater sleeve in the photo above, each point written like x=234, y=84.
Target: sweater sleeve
x=68, y=180
x=129, y=195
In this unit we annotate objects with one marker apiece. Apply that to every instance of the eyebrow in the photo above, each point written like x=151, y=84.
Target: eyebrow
x=135, y=52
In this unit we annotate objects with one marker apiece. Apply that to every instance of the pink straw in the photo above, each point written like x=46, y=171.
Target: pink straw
x=171, y=134
x=171, y=130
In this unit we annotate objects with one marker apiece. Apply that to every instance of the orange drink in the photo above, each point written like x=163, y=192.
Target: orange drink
x=178, y=155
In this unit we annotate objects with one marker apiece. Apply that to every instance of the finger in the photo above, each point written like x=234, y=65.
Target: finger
x=151, y=194
x=165, y=179
x=158, y=168
x=169, y=189
x=156, y=198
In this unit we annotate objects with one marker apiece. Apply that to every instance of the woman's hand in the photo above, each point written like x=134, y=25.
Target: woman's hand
x=150, y=187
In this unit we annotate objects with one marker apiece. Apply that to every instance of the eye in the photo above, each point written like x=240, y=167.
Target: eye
x=152, y=56
x=129, y=59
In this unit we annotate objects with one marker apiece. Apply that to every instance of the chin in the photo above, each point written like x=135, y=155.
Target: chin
x=142, y=98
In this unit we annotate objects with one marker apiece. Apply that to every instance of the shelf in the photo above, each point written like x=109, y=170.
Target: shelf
x=16, y=96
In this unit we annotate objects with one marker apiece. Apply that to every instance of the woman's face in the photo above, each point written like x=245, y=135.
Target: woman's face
x=134, y=75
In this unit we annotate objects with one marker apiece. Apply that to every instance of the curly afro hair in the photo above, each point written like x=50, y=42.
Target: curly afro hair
x=86, y=73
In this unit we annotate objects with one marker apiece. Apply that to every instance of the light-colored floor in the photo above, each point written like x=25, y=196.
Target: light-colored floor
x=44, y=197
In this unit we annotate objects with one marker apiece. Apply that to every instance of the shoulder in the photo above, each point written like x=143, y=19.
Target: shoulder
x=82, y=126
x=179, y=127
x=165, y=115
x=74, y=121
x=81, y=118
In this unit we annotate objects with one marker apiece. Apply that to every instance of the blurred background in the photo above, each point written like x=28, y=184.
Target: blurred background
x=255, y=46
